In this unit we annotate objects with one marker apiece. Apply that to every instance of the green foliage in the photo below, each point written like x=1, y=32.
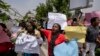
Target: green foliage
x=61, y=6
x=97, y=51
x=4, y=5
x=17, y=20
x=41, y=11
x=4, y=16
x=49, y=5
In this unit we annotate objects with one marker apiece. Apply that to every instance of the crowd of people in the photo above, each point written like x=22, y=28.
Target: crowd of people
x=27, y=38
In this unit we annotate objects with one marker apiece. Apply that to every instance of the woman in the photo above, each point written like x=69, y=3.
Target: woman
x=5, y=43
x=30, y=44
x=33, y=32
x=54, y=37
x=34, y=22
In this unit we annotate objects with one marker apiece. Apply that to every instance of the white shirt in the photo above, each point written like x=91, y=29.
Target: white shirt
x=27, y=44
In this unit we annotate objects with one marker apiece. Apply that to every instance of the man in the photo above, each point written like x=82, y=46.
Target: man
x=92, y=34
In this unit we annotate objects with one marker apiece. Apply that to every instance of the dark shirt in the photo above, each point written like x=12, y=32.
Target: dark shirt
x=92, y=34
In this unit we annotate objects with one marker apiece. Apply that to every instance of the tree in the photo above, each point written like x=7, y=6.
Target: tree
x=4, y=7
x=49, y=5
x=41, y=11
x=4, y=16
x=61, y=6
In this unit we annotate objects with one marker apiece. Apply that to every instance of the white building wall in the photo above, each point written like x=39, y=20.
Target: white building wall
x=96, y=7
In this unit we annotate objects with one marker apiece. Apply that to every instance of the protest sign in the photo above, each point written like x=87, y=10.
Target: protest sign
x=67, y=49
x=57, y=18
x=78, y=32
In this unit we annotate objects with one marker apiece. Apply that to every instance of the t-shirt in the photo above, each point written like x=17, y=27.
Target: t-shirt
x=92, y=34
x=26, y=43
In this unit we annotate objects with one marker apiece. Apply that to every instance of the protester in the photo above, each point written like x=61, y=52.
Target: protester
x=92, y=34
x=34, y=23
x=29, y=44
x=37, y=32
x=15, y=31
x=5, y=43
x=69, y=22
x=75, y=22
x=54, y=37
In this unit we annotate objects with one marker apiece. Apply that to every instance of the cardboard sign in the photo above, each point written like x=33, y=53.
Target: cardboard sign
x=78, y=32
x=57, y=18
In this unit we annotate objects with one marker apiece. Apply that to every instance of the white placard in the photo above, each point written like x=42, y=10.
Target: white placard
x=57, y=18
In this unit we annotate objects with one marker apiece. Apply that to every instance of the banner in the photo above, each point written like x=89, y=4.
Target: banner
x=57, y=18
x=67, y=49
x=77, y=32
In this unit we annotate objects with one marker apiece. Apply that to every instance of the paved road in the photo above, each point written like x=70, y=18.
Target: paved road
x=44, y=49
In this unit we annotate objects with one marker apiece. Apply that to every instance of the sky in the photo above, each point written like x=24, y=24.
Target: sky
x=95, y=7
x=24, y=6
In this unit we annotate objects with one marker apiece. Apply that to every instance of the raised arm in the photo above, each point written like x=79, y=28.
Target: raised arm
x=45, y=32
